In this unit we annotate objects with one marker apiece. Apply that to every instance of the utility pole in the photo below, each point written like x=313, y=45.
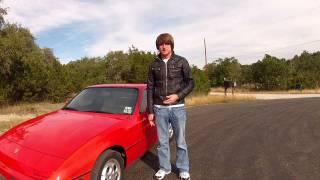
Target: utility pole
x=205, y=51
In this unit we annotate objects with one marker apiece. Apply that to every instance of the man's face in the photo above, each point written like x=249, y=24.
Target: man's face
x=165, y=50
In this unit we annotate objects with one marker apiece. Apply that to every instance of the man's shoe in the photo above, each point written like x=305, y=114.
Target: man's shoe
x=184, y=176
x=161, y=174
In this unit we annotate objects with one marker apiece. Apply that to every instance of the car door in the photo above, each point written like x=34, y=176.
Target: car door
x=150, y=133
x=140, y=134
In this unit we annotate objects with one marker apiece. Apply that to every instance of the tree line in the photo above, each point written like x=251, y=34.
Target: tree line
x=31, y=73
x=270, y=73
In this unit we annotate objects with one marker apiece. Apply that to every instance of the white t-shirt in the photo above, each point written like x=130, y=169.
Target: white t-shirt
x=165, y=60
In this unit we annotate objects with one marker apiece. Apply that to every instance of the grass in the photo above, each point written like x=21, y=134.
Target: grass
x=243, y=90
x=204, y=100
x=305, y=91
x=13, y=115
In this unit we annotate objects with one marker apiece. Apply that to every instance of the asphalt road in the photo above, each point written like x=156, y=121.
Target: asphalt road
x=260, y=140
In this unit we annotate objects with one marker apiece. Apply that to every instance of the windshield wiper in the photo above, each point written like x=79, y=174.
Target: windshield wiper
x=70, y=108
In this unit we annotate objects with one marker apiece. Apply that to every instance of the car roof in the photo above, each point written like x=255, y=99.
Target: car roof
x=120, y=85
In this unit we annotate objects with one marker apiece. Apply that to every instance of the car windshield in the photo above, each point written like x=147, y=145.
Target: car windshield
x=104, y=100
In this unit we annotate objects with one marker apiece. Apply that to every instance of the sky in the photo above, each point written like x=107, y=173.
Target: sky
x=244, y=29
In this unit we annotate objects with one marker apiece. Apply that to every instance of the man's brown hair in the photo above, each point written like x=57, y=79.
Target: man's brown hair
x=165, y=38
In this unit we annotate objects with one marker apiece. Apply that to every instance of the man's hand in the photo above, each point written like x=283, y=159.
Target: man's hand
x=151, y=119
x=171, y=99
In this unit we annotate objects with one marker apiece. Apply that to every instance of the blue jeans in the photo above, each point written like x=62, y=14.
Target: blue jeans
x=177, y=117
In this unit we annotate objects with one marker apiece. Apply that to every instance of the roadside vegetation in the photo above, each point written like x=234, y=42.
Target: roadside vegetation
x=205, y=100
x=248, y=91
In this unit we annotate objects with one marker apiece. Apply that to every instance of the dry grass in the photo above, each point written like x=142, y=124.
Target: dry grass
x=13, y=115
x=34, y=108
x=305, y=91
x=217, y=89
x=242, y=90
x=203, y=100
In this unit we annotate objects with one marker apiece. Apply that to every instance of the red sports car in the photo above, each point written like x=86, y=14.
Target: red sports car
x=100, y=132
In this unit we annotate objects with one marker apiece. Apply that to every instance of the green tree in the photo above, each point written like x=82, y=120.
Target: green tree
x=139, y=65
x=3, y=12
x=228, y=68
x=202, y=83
x=117, y=67
x=29, y=73
x=210, y=71
x=31, y=84
x=85, y=72
x=306, y=70
x=246, y=79
x=57, y=87
x=129, y=67
x=270, y=73
x=18, y=58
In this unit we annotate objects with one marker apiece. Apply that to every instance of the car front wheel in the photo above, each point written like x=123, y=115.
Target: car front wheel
x=108, y=166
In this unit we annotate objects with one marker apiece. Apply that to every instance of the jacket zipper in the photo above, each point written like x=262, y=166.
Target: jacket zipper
x=166, y=78
x=166, y=82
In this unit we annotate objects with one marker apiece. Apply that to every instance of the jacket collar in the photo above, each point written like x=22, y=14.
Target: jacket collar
x=171, y=58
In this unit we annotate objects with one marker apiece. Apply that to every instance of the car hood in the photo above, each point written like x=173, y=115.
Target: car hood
x=62, y=132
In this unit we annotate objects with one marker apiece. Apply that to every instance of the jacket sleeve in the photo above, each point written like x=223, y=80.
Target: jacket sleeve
x=187, y=78
x=150, y=90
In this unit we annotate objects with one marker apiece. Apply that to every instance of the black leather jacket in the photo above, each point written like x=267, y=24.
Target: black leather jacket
x=175, y=77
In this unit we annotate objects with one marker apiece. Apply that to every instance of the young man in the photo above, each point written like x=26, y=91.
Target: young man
x=169, y=82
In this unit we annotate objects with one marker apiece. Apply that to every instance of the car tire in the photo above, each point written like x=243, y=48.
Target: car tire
x=109, y=165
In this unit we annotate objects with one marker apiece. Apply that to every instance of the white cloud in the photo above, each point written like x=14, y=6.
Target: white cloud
x=244, y=29
x=42, y=15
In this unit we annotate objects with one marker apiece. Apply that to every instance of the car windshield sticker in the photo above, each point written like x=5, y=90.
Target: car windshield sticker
x=127, y=110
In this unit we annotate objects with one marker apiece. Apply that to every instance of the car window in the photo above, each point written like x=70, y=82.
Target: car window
x=105, y=100
x=143, y=106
